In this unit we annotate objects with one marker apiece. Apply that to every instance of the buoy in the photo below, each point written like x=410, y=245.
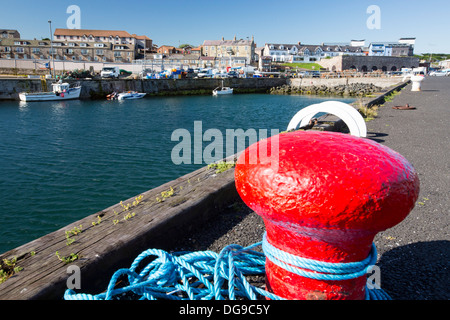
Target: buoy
x=324, y=196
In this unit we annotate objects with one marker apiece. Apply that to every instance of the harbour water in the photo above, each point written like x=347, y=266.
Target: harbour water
x=62, y=161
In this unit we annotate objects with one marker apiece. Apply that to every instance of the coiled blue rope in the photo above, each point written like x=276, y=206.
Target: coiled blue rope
x=207, y=275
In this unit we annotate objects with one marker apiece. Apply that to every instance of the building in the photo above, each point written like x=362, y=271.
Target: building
x=117, y=41
x=299, y=52
x=230, y=49
x=62, y=50
x=265, y=64
x=369, y=63
x=444, y=64
x=9, y=34
x=77, y=45
x=403, y=48
x=167, y=50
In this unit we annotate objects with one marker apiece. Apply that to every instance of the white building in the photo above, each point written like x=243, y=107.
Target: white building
x=404, y=47
x=307, y=53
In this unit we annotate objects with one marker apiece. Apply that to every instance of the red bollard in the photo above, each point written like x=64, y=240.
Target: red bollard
x=325, y=196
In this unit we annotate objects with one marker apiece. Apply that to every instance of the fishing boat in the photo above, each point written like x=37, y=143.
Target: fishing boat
x=61, y=91
x=222, y=90
x=130, y=95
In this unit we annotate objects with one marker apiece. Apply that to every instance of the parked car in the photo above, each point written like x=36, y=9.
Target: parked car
x=221, y=75
x=205, y=73
x=442, y=73
x=110, y=72
x=232, y=74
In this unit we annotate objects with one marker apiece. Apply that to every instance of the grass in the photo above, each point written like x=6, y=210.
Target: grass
x=307, y=66
x=221, y=166
x=8, y=269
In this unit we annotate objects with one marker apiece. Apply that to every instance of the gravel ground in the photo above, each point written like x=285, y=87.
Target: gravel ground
x=413, y=256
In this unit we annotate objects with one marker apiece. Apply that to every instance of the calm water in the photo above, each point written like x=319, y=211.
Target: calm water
x=62, y=161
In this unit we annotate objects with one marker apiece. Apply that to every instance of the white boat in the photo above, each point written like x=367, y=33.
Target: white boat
x=222, y=90
x=61, y=91
x=130, y=95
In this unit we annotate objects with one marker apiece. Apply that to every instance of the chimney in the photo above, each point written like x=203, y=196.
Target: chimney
x=299, y=43
x=234, y=38
x=222, y=38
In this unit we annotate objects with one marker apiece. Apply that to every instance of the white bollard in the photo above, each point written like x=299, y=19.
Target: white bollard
x=417, y=82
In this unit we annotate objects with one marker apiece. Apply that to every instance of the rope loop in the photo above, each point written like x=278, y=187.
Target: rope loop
x=318, y=270
x=207, y=275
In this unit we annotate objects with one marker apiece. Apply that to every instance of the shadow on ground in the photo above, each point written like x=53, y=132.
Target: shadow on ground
x=419, y=271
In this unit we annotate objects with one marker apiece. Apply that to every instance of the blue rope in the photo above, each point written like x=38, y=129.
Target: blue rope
x=207, y=275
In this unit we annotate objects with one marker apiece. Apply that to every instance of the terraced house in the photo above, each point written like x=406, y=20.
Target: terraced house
x=242, y=51
x=102, y=45
x=308, y=53
x=78, y=45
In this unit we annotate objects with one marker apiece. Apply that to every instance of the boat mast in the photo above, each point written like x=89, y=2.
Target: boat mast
x=51, y=47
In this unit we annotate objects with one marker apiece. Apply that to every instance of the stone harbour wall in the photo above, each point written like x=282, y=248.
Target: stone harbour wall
x=99, y=88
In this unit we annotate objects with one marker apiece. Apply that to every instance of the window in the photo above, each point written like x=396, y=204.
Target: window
x=84, y=51
x=117, y=54
x=83, y=44
x=99, y=51
x=17, y=43
x=35, y=50
x=19, y=50
x=99, y=45
x=71, y=44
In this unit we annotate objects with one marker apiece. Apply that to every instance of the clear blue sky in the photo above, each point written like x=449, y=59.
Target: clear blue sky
x=175, y=22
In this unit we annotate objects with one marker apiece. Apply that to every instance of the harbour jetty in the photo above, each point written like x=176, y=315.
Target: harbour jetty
x=352, y=90
x=100, y=88
x=183, y=211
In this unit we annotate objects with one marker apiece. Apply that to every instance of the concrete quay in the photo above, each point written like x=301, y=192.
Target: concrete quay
x=414, y=256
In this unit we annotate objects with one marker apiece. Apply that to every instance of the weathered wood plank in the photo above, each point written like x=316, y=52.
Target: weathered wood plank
x=164, y=214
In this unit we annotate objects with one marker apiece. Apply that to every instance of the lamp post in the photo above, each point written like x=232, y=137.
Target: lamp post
x=51, y=48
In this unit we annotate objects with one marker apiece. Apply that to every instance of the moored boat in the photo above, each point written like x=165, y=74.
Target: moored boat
x=61, y=91
x=130, y=95
x=222, y=90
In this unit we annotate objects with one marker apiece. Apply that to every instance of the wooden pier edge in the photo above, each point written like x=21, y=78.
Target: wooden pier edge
x=113, y=241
